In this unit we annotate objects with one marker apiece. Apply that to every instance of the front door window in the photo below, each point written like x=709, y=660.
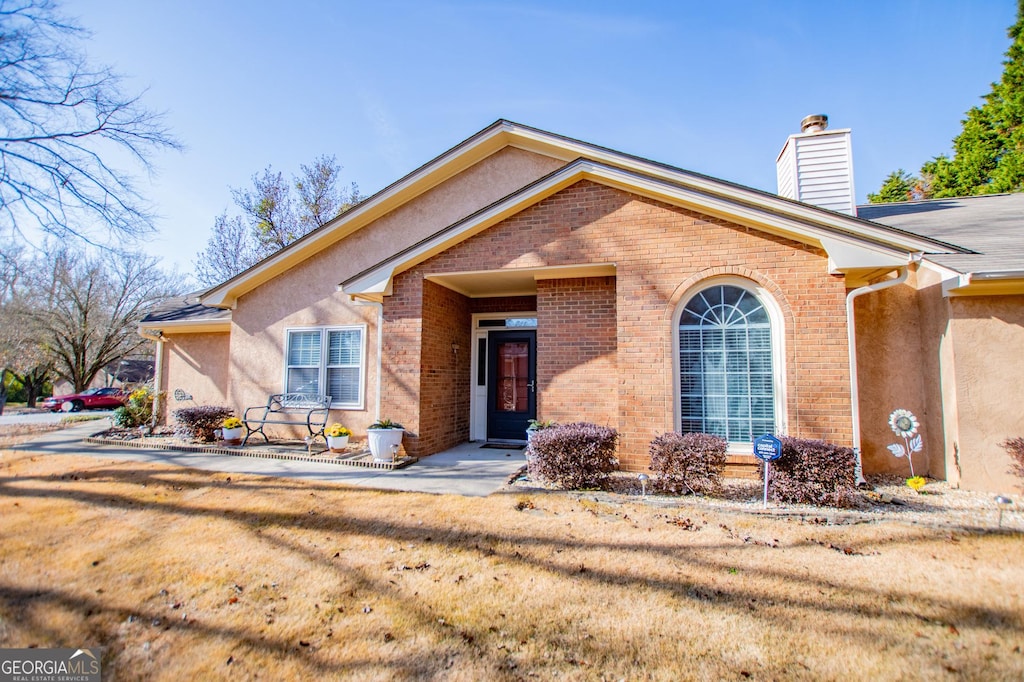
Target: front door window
x=512, y=384
x=513, y=376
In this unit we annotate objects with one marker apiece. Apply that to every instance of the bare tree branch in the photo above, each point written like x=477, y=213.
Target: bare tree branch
x=272, y=219
x=61, y=121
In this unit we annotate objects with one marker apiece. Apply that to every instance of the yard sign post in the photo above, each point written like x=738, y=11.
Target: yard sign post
x=767, y=448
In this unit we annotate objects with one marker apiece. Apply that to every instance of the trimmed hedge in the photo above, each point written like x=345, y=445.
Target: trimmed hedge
x=688, y=462
x=814, y=472
x=199, y=423
x=573, y=456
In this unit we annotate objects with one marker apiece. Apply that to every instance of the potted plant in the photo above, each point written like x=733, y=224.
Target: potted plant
x=537, y=425
x=337, y=437
x=383, y=436
x=231, y=431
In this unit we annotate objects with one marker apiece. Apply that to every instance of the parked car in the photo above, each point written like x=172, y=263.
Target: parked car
x=90, y=399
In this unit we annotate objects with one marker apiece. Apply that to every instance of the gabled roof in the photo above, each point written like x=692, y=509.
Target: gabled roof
x=837, y=233
x=989, y=227
x=185, y=314
x=852, y=244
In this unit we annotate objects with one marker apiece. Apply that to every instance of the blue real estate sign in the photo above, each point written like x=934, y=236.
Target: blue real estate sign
x=767, y=448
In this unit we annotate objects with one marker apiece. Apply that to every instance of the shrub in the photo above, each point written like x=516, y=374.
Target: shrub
x=199, y=423
x=578, y=455
x=814, y=472
x=137, y=410
x=688, y=462
x=1015, y=449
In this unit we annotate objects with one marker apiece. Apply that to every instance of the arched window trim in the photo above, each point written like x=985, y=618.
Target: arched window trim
x=777, y=322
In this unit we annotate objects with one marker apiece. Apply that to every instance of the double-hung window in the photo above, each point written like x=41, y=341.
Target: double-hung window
x=327, y=361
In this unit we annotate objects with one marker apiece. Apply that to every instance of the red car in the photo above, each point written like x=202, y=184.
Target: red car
x=90, y=399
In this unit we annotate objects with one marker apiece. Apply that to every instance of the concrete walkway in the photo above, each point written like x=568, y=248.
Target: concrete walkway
x=466, y=469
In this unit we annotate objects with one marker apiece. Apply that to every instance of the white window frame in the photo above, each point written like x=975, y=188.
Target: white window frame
x=778, y=336
x=323, y=366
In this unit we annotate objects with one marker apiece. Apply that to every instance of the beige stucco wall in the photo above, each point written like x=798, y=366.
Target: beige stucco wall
x=899, y=331
x=307, y=294
x=198, y=364
x=987, y=342
x=952, y=361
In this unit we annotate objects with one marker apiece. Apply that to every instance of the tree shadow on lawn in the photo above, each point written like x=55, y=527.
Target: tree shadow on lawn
x=862, y=610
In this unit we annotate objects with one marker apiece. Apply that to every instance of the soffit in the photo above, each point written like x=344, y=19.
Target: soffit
x=514, y=281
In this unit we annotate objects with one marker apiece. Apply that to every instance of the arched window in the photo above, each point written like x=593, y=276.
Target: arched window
x=726, y=364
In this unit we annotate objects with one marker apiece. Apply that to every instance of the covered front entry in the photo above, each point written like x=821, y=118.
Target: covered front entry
x=511, y=383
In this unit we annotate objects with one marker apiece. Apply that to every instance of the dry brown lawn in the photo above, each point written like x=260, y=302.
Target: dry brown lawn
x=182, y=574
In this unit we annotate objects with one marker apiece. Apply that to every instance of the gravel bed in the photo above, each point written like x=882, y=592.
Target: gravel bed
x=887, y=499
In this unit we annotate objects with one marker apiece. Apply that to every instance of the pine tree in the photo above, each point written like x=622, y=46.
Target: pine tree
x=899, y=186
x=988, y=154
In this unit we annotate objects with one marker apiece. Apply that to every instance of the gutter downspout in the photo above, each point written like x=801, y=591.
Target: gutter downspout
x=158, y=369
x=851, y=337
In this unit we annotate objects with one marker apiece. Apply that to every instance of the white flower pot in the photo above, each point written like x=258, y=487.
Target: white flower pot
x=232, y=436
x=382, y=441
x=337, y=443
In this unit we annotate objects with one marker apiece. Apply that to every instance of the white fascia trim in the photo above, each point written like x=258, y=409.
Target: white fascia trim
x=711, y=187
x=504, y=133
x=372, y=281
x=763, y=217
x=984, y=283
x=419, y=181
x=187, y=326
x=847, y=246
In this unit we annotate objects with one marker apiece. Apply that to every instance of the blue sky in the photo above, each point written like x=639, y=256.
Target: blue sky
x=713, y=87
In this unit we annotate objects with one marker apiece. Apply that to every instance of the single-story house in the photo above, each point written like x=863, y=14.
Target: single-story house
x=524, y=274
x=125, y=372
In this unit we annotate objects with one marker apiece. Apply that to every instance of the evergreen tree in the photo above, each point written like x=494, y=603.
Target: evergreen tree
x=899, y=186
x=988, y=154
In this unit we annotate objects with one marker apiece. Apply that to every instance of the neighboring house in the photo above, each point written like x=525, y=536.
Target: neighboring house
x=523, y=274
x=120, y=373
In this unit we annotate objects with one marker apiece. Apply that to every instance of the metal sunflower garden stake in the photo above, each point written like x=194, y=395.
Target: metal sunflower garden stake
x=904, y=424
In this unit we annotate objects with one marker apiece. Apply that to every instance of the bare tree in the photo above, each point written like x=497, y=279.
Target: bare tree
x=22, y=355
x=320, y=198
x=62, y=121
x=272, y=218
x=268, y=208
x=230, y=250
x=92, y=309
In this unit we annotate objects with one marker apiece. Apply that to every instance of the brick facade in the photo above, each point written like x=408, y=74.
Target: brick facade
x=660, y=253
x=576, y=350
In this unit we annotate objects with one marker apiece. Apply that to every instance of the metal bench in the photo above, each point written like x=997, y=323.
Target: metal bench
x=290, y=409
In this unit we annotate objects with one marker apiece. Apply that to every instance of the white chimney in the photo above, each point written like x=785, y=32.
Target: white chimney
x=816, y=166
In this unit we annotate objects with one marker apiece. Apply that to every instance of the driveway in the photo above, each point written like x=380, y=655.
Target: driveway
x=23, y=416
x=467, y=469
